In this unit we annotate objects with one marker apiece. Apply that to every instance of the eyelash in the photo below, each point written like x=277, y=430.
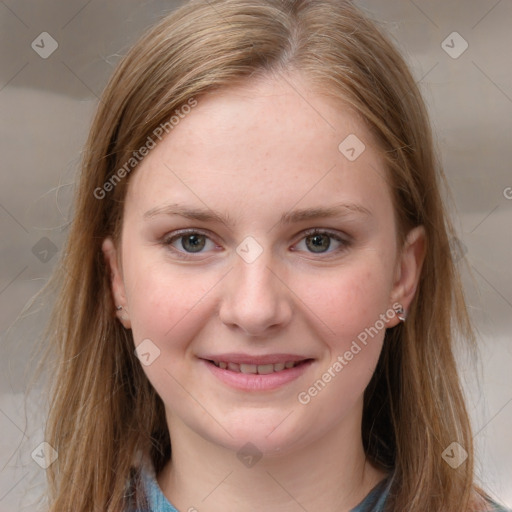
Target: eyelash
x=168, y=240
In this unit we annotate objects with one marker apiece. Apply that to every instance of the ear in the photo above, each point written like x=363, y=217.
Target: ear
x=408, y=270
x=112, y=259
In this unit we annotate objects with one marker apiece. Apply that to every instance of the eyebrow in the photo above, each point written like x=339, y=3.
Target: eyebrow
x=295, y=216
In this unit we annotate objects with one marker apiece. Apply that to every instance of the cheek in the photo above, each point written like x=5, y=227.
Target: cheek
x=352, y=305
x=347, y=300
x=162, y=301
x=169, y=308
x=168, y=304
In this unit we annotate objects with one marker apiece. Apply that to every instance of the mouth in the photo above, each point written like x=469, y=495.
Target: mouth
x=257, y=373
x=259, y=369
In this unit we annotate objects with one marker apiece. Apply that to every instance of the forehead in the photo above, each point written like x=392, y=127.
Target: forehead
x=263, y=142
x=264, y=118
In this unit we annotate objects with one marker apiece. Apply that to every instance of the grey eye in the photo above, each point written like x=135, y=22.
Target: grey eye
x=318, y=243
x=193, y=242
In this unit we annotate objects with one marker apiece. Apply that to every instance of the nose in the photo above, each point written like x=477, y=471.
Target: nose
x=255, y=298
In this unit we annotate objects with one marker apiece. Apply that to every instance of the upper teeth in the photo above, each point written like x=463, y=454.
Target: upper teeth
x=261, y=369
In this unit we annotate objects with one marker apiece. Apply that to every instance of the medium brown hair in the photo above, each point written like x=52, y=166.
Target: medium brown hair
x=104, y=412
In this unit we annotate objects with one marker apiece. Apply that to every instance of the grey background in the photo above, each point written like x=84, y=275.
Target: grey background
x=46, y=106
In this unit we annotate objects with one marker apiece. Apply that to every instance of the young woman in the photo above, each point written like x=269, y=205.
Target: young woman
x=257, y=301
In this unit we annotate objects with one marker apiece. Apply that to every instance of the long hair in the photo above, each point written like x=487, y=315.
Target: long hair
x=104, y=413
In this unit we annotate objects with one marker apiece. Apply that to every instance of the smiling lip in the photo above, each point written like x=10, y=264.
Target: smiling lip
x=239, y=358
x=256, y=373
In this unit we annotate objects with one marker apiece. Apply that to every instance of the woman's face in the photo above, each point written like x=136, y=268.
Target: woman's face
x=250, y=173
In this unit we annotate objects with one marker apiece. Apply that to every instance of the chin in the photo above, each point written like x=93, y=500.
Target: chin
x=270, y=436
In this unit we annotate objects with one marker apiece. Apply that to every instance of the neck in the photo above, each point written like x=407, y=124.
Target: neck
x=330, y=474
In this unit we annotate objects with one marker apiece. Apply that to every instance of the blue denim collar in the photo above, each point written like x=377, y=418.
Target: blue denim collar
x=373, y=502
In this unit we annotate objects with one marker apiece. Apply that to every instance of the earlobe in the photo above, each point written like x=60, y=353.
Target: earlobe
x=408, y=270
x=116, y=281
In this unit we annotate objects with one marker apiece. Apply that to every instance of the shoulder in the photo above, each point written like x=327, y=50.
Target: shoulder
x=498, y=508
x=136, y=492
x=146, y=495
x=492, y=506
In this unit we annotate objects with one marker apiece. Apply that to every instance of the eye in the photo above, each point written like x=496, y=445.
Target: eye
x=188, y=242
x=319, y=241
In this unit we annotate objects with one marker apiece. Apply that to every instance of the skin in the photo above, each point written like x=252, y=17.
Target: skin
x=253, y=152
